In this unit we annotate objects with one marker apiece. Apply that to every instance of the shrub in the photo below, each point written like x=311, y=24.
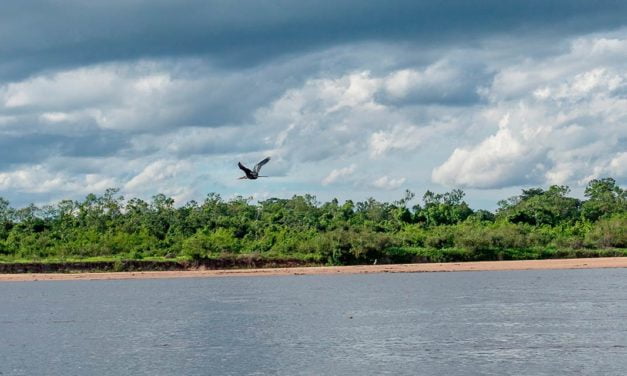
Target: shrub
x=202, y=244
x=440, y=237
x=610, y=232
x=412, y=235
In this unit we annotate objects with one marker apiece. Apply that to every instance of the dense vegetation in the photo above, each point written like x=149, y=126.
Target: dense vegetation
x=537, y=223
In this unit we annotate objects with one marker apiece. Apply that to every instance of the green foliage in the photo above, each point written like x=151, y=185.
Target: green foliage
x=205, y=243
x=609, y=232
x=442, y=209
x=537, y=223
x=538, y=207
x=605, y=198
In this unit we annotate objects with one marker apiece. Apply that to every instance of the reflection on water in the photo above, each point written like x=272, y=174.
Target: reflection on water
x=477, y=323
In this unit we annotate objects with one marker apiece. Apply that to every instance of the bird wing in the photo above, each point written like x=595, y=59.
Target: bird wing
x=243, y=168
x=258, y=165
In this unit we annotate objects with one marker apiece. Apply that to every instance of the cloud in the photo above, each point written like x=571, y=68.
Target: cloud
x=560, y=118
x=52, y=36
x=385, y=182
x=503, y=159
x=37, y=179
x=407, y=137
x=344, y=117
x=141, y=96
x=618, y=165
x=585, y=56
x=444, y=82
x=190, y=141
x=155, y=173
x=474, y=95
x=336, y=174
x=324, y=117
x=40, y=144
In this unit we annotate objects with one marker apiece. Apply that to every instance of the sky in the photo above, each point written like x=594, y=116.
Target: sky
x=350, y=98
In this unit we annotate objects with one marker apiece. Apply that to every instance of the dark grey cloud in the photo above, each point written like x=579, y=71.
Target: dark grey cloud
x=35, y=147
x=47, y=35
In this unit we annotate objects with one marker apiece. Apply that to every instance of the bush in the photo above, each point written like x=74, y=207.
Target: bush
x=440, y=237
x=195, y=246
x=202, y=244
x=610, y=232
x=122, y=242
x=341, y=247
x=412, y=235
x=4, y=249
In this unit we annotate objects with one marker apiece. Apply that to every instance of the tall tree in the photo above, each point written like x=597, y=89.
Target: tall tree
x=539, y=207
x=605, y=198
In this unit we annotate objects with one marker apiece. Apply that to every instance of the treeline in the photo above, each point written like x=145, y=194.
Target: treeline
x=538, y=223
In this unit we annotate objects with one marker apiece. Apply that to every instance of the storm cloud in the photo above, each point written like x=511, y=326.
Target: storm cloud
x=41, y=35
x=350, y=98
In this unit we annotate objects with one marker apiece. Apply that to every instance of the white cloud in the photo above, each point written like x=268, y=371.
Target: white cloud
x=156, y=173
x=353, y=90
x=143, y=96
x=559, y=119
x=501, y=159
x=407, y=137
x=70, y=89
x=443, y=82
x=618, y=165
x=586, y=54
x=54, y=117
x=342, y=117
x=323, y=118
x=336, y=174
x=121, y=97
x=385, y=182
x=37, y=179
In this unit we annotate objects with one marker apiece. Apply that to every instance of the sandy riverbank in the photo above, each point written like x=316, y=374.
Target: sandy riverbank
x=588, y=263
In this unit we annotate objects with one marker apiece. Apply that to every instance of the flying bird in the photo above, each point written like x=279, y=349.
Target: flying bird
x=254, y=173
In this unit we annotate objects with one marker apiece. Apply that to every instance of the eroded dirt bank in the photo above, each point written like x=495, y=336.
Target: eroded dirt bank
x=588, y=263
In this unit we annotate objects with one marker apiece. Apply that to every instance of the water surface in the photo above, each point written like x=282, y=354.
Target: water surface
x=561, y=322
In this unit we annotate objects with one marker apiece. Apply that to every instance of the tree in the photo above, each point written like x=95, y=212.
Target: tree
x=5, y=210
x=482, y=216
x=300, y=226
x=605, y=198
x=161, y=215
x=538, y=207
x=442, y=208
x=6, y=214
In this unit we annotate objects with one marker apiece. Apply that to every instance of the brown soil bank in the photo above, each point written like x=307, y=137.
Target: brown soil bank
x=589, y=263
x=146, y=265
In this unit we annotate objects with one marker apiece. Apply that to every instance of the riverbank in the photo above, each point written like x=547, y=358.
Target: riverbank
x=583, y=263
x=153, y=265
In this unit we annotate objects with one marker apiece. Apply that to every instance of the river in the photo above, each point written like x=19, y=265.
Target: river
x=552, y=322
